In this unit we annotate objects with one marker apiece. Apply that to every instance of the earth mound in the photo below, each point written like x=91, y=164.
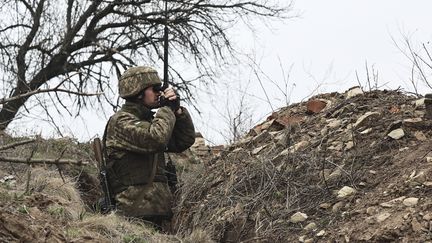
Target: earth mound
x=346, y=167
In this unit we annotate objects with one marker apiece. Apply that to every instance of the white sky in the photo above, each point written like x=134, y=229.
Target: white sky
x=325, y=46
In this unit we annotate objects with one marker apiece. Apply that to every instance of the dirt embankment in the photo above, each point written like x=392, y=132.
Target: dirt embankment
x=341, y=167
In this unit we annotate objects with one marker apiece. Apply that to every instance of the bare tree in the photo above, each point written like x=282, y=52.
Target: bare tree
x=420, y=58
x=75, y=46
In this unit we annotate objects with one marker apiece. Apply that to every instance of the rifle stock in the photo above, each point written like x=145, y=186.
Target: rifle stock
x=108, y=203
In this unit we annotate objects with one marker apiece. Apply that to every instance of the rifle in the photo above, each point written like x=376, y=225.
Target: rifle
x=108, y=202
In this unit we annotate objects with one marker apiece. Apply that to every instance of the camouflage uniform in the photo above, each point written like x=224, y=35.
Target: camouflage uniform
x=136, y=139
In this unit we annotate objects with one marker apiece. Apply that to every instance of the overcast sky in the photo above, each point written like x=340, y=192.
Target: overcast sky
x=323, y=48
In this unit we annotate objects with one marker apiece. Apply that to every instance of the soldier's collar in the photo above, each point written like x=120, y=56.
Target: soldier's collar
x=139, y=110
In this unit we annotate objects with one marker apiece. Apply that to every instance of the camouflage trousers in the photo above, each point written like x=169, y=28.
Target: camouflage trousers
x=150, y=201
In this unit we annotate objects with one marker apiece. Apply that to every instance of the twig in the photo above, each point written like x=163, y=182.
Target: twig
x=12, y=145
x=29, y=172
x=58, y=166
x=42, y=161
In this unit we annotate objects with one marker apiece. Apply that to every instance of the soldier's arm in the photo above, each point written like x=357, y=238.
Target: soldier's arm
x=183, y=135
x=142, y=136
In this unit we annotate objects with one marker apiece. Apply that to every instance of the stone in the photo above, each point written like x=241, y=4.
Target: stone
x=397, y=134
x=420, y=177
x=410, y=202
x=371, y=210
x=298, y=217
x=382, y=217
x=302, y=238
x=416, y=226
x=349, y=145
x=419, y=135
x=335, y=175
x=309, y=240
x=299, y=146
x=354, y=91
x=367, y=117
x=310, y=227
x=386, y=205
x=315, y=106
x=412, y=121
x=428, y=217
x=337, y=207
x=325, y=205
x=346, y=191
x=334, y=123
x=429, y=159
x=321, y=233
x=366, y=131
x=420, y=103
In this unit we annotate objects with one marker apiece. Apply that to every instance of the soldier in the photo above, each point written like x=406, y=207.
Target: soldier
x=135, y=141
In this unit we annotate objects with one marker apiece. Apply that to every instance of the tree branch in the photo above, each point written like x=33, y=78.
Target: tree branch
x=42, y=161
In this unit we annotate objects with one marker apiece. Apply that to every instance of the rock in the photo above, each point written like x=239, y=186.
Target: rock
x=428, y=183
x=309, y=240
x=429, y=159
x=337, y=207
x=386, y=205
x=302, y=238
x=410, y=202
x=349, y=145
x=354, y=91
x=394, y=125
x=310, y=227
x=419, y=104
x=397, y=134
x=315, y=106
x=335, y=175
x=416, y=226
x=321, y=233
x=412, y=121
x=428, y=217
x=299, y=146
x=346, y=191
x=420, y=177
x=419, y=135
x=382, y=217
x=364, y=119
x=371, y=210
x=367, y=131
x=334, y=123
x=298, y=217
x=325, y=205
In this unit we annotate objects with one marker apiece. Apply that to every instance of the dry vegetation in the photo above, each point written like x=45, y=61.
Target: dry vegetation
x=296, y=163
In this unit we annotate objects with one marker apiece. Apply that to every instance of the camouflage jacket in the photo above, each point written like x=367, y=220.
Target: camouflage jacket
x=136, y=139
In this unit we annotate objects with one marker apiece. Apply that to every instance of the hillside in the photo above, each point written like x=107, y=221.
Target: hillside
x=351, y=167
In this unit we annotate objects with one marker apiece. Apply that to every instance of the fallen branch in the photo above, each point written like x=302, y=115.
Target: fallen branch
x=42, y=161
x=12, y=145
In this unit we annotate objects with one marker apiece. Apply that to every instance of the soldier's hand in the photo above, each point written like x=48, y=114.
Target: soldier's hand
x=172, y=100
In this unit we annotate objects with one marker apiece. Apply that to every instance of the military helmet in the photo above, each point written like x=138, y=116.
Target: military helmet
x=136, y=79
